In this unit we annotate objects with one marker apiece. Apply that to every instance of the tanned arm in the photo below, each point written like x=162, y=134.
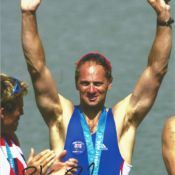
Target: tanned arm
x=46, y=93
x=133, y=109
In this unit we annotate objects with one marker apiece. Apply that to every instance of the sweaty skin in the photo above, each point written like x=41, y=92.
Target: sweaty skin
x=168, y=145
x=93, y=85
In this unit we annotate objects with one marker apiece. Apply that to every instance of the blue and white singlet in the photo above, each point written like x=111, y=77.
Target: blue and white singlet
x=111, y=161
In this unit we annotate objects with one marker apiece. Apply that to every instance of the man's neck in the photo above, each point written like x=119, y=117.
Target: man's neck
x=91, y=112
x=92, y=115
x=10, y=135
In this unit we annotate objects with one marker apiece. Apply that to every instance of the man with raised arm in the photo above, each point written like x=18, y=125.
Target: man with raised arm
x=168, y=145
x=102, y=139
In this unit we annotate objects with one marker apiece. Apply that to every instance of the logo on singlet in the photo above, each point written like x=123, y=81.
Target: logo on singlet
x=103, y=147
x=78, y=147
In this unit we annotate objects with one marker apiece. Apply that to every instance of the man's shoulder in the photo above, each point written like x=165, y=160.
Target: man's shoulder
x=170, y=122
x=169, y=127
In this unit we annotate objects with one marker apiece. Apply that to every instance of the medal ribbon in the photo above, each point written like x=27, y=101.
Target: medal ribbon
x=94, y=154
x=10, y=157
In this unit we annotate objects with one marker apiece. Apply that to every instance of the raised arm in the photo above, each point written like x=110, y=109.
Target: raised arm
x=45, y=89
x=168, y=145
x=146, y=89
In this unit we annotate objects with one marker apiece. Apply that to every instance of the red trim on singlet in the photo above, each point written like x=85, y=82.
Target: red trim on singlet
x=121, y=168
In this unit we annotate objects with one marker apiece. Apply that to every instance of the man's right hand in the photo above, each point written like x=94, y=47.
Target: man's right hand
x=30, y=5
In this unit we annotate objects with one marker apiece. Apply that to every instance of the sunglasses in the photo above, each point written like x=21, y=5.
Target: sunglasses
x=17, y=87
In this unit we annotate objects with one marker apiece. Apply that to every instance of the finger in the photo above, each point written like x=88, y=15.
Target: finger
x=73, y=160
x=71, y=163
x=71, y=170
x=46, y=158
x=31, y=154
x=50, y=158
x=47, y=167
x=42, y=154
x=46, y=161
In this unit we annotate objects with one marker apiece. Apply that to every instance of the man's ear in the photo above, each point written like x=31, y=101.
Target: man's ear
x=2, y=113
x=76, y=85
x=110, y=86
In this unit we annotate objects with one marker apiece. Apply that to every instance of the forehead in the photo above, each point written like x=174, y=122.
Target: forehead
x=91, y=69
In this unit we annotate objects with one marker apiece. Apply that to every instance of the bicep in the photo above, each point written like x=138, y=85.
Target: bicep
x=144, y=94
x=51, y=104
x=141, y=99
x=46, y=93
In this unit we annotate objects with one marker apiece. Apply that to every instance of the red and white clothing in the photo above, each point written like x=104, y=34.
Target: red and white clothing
x=17, y=156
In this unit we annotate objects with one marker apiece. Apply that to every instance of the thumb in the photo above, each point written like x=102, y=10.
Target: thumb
x=31, y=154
x=62, y=154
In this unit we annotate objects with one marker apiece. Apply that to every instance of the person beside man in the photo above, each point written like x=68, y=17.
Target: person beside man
x=168, y=145
x=101, y=139
x=12, y=161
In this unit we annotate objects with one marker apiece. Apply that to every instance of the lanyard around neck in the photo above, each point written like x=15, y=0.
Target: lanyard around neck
x=94, y=154
x=10, y=157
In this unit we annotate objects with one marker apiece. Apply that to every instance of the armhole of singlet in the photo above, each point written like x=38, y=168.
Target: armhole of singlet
x=71, y=118
x=126, y=166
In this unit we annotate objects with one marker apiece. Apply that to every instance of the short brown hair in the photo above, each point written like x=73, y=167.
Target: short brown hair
x=97, y=58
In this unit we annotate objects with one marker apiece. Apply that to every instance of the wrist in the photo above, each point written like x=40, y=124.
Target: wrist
x=165, y=23
x=28, y=12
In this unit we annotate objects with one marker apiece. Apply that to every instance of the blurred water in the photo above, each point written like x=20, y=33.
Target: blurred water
x=123, y=31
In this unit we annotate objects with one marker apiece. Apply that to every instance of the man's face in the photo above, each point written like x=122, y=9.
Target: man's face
x=92, y=84
x=9, y=120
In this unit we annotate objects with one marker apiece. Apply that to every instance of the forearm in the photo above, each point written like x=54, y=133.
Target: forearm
x=31, y=43
x=161, y=49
